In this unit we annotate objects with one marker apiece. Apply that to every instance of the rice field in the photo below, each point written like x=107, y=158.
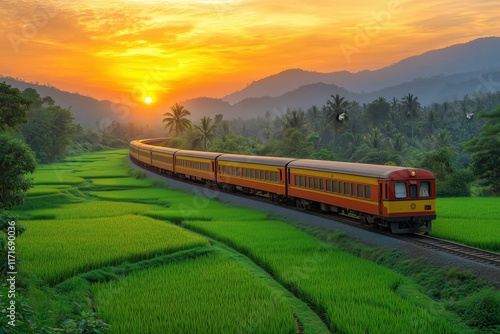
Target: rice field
x=125, y=182
x=87, y=213
x=54, y=250
x=210, y=294
x=356, y=296
x=472, y=221
x=92, y=209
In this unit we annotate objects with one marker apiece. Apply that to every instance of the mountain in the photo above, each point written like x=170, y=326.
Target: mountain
x=477, y=55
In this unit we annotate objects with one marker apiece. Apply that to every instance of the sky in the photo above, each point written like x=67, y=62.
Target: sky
x=127, y=50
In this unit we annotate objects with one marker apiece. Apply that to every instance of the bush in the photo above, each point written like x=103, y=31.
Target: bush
x=480, y=310
x=456, y=184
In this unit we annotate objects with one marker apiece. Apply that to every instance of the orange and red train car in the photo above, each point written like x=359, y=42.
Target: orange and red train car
x=399, y=198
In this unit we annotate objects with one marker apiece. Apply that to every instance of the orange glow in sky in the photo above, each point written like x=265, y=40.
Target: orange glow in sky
x=173, y=50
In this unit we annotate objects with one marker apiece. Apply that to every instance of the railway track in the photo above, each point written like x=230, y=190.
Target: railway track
x=463, y=251
x=466, y=252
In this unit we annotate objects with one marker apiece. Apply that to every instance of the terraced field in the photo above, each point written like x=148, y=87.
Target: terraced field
x=149, y=259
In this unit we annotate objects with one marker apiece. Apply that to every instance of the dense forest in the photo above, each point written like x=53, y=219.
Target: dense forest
x=396, y=132
x=457, y=140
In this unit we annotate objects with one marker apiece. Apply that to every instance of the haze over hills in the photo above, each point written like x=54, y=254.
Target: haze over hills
x=434, y=76
x=479, y=54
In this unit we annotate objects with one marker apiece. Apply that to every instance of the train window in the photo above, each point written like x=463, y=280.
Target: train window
x=336, y=185
x=296, y=180
x=252, y=173
x=353, y=189
x=360, y=190
x=267, y=175
x=321, y=184
x=367, y=192
x=316, y=183
x=328, y=185
x=413, y=190
x=425, y=189
x=262, y=175
x=310, y=182
x=347, y=188
x=400, y=189
x=302, y=181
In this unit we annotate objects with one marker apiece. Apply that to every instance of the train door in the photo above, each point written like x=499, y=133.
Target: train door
x=381, y=196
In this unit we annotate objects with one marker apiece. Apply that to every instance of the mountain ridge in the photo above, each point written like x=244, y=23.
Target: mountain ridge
x=475, y=55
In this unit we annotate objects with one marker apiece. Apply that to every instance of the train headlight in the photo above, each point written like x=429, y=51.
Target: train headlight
x=413, y=173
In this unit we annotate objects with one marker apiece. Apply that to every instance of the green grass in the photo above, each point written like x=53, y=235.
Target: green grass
x=355, y=295
x=211, y=294
x=92, y=209
x=57, y=176
x=125, y=182
x=54, y=250
x=473, y=221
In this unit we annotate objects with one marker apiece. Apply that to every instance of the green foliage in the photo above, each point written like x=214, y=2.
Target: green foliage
x=456, y=184
x=323, y=154
x=86, y=323
x=486, y=151
x=234, y=144
x=481, y=311
x=48, y=132
x=16, y=160
x=13, y=107
x=439, y=162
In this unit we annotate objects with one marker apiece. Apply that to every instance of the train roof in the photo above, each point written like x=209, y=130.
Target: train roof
x=369, y=170
x=197, y=154
x=162, y=149
x=252, y=159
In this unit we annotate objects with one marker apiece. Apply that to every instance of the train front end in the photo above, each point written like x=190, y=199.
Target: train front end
x=409, y=200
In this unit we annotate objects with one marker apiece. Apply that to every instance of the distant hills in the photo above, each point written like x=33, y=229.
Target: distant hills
x=434, y=76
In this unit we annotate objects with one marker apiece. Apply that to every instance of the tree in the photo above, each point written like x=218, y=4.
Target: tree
x=485, y=150
x=16, y=160
x=411, y=108
x=13, y=107
x=176, y=121
x=336, y=114
x=439, y=162
x=48, y=132
x=205, y=132
x=336, y=107
x=294, y=119
x=377, y=112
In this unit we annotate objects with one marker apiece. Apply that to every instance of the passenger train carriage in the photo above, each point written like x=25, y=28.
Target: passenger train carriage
x=253, y=173
x=399, y=198
x=395, y=197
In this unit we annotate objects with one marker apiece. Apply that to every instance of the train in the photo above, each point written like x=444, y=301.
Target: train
x=400, y=199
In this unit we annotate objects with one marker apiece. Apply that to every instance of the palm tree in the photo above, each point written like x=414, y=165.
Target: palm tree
x=336, y=113
x=336, y=107
x=176, y=120
x=411, y=108
x=294, y=119
x=205, y=132
x=375, y=138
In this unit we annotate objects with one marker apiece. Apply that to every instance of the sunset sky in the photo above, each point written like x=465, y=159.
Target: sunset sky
x=174, y=50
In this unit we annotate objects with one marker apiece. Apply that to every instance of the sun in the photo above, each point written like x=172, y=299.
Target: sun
x=148, y=99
